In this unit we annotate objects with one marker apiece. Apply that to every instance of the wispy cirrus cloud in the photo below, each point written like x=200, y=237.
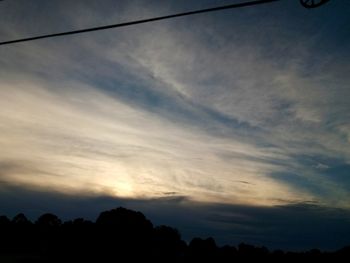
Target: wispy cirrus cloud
x=195, y=110
x=81, y=139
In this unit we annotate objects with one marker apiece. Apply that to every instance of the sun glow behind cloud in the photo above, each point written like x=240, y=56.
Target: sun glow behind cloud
x=207, y=114
x=82, y=140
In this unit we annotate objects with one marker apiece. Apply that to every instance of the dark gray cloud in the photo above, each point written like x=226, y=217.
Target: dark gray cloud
x=296, y=226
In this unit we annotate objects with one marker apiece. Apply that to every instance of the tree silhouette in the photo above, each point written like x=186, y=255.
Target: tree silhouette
x=125, y=231
x=4, y=221
x=21, y=220
x=124, y=235
x=168, y=246
x=203, y=249
x=48, y=220
x=124, y=220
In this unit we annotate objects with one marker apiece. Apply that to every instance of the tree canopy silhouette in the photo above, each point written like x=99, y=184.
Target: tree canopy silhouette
x=123, y=234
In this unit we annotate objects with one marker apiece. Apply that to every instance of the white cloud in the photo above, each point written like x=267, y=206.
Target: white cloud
x=70, y=134
x=80, y=139
x=321, y=166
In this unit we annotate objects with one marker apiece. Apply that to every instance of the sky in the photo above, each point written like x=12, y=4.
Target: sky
x=234, y=124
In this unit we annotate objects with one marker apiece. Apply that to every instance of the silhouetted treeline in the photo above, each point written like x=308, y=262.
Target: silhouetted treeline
x=121, y=234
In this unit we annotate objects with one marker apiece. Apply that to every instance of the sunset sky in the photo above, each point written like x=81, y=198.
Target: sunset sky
x=239, y=115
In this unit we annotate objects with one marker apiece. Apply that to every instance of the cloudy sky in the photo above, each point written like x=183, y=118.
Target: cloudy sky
x=230, y=117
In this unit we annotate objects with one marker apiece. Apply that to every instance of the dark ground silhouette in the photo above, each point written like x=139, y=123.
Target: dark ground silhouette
x=125, y=235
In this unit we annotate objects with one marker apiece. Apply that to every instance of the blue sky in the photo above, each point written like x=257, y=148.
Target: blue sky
x=241, y=108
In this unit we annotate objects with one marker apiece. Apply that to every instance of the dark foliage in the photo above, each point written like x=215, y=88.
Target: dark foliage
x=125, y=235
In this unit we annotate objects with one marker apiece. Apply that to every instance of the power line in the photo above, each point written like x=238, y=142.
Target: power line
x=237, y=5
